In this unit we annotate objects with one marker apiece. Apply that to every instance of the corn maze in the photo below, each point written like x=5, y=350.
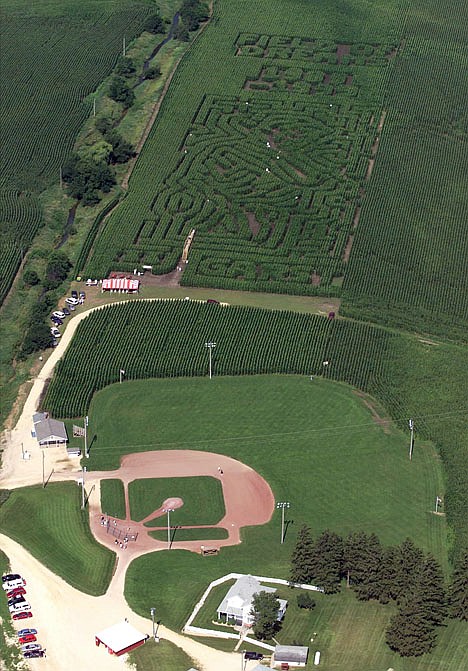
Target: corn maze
x=271, y=179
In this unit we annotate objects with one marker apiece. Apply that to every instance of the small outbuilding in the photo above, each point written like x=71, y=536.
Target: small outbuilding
x=290, y=655
x=120, y=638
x=49, y=431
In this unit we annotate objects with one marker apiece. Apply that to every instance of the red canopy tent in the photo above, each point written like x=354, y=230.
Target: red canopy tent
x=121, y=284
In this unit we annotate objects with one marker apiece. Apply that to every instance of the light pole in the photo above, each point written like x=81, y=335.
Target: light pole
x=83, y=488
x=121, y=374
x=411, y=427
x=282, y=505
x=168, y=511
x=152, y=611
x=210, y=346
x=86, y=420
x=437, y=502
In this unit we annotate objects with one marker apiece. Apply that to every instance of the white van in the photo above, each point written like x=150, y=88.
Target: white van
x=19, y=607
x=11, y=584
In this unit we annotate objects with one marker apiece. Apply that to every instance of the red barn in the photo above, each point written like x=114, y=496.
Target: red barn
x=120, y=638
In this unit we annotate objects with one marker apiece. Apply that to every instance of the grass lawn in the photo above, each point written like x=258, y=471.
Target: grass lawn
x=113, y=498
x=207, y=613
x=215, y=533
x=157, y=656
x=202, y=497
x=50, y=525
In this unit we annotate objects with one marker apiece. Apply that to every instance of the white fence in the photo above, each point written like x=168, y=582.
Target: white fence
x=199, y=631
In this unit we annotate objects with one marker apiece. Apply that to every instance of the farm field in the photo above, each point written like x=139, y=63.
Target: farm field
x=46, y=78
x=50, y=525
x=267, y=154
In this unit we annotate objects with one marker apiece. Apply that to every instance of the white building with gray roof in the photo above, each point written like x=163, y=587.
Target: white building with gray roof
x=49, y=431
x=237, y=603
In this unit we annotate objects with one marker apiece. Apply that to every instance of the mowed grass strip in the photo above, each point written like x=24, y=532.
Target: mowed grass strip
x=113, y=498
x=202, y=497
x=213, y=533
x=50, y=525
x=156, y=656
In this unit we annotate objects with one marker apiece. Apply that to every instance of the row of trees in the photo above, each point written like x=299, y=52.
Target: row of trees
x=403, y=574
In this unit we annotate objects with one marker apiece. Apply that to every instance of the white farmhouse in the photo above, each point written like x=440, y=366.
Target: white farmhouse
x=237, y=603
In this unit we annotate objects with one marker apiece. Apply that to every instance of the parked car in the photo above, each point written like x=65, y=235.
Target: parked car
x=57, y=321
x=58, y=314
x=16, y=599
x=83, y=295
x=31, y=646
x=251, y=654
x=54, y=342
x=22, y=615
x=25, y=632
x=72, y=308
x=74, y=294
x=17, y=607
x=72, y=300
x=27, y=638
x=212, y=300
x=66, y=312
x=17, y=581
x=16, y=591
x=8, y=577
x=34, y=653
x=55, y=332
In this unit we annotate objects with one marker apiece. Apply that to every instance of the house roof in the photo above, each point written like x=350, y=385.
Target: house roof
x=47, y=428
x=240, y=595
x=120, y=636
x=291, y=653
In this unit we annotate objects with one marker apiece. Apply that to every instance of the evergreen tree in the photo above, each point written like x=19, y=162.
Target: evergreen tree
x=361, y=563
x=458, y=596
x=409, y=632
x=387, y=574
x=409, y=562
x=121, y=92
x=265, y=607
x=327, y=564
x=302, y=557
x=352, y=557
x=430, y=589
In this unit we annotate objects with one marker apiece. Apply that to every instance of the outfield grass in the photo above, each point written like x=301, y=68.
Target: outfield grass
x=50, y=525
x=113, y=498
x=286, y=428
x=202, y=497
x=157, y=656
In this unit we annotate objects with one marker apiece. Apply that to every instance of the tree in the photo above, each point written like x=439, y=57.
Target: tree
x=409, y=632
x=327, y=564
x=103, y=124
x=181, y=32
x=409, y=561
x=305, y=600
x=121, y=150
x=125, y=67
x=432, y=589
x=57, y=269
x=37, y=338
x=387, y=574
x=31, y=278
x=361, y=564
x=302, y=557
x=121, y=92
x=458, y=595
x=152, y=73
x=265, y=607
x=154, y=24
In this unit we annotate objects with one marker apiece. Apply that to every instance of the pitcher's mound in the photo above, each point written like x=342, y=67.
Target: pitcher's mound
x=173, y=503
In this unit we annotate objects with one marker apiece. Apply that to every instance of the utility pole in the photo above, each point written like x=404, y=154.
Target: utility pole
x=282, y=505
x=94, y=107
x=124, y=51
x=152, y=611
x=437, y=502
x=411, y=427
x=61, y=178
